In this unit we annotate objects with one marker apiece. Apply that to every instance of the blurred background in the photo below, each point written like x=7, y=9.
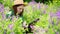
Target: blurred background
x=48, y=11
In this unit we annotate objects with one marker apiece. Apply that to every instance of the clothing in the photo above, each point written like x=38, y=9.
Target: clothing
x=11, y=13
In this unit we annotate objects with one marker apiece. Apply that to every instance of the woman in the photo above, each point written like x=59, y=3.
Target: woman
x=18, y=8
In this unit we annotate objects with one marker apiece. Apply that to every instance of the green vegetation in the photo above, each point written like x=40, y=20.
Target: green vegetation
x=49, y=15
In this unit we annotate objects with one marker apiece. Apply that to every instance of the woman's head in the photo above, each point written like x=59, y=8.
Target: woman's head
x=18, y=9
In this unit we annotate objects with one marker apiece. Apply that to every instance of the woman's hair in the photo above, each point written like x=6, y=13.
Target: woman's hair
x=15, y=9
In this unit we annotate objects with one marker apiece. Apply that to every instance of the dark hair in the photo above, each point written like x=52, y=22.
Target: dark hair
x=15, y=9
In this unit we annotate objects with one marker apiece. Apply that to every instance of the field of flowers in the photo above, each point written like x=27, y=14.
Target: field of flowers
x=49, y=15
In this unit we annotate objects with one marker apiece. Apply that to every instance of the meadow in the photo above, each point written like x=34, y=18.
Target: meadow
x=49, y=15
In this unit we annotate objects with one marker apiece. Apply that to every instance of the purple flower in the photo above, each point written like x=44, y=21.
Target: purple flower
x=57, y=32
x=1, y=8
x=51, y=14
x=3, y=15
x=44, y=12
x=2, y=11
x=32, y=2
x=53, y=23
x=10, y=26
x=5, y=31
x=31, y=26
x=35, y=33
x=58, y=14
x=38, y=6
x=13, y=18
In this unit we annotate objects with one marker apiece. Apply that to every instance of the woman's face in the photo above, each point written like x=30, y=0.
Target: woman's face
x=20, y=9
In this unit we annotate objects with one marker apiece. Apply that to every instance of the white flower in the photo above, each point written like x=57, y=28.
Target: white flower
x=24, y=24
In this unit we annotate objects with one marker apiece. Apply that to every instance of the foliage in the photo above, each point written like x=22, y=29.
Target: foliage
x=48, y=15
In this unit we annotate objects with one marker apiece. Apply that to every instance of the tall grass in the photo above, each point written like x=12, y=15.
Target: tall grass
x=49, y=22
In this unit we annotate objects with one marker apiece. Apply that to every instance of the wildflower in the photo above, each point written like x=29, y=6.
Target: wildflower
x=38, y=6
x=2, y=11
x=1, y=8
x=10, y=26
x=5, y=31
x=57, y=32
x=3, y=15
x=24, y=24
x=12, y=33
x=32, y=26
x=58, y=14
x=32, y=2
x=39, y=30
x=13, y=18
x=44, y=11
x=51, y=14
